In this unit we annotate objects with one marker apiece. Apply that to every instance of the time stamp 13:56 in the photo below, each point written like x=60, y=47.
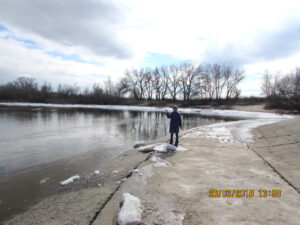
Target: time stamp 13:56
x=244, y=193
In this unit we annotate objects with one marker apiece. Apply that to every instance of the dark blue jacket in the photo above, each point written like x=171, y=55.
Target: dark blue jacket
x=175, y=122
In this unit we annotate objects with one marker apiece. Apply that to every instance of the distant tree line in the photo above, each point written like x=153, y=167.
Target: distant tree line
x=27, y=89
x=171, y=83
x=282, y=91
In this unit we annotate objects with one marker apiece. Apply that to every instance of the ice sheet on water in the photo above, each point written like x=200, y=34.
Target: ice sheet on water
x=204, y=112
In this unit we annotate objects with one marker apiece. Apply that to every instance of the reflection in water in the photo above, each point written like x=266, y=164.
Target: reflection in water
x=31, y=136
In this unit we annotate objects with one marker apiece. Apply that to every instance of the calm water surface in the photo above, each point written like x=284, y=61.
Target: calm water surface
x=36, y=142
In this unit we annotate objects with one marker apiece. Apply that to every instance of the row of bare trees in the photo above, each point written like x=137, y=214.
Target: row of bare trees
x=281, y=85
x=282, y=91
x=184, y=81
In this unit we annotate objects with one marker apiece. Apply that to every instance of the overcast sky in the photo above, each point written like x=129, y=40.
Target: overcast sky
x=86, y=41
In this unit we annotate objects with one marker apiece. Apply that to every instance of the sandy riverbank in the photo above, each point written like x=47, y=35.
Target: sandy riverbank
x=179, y=193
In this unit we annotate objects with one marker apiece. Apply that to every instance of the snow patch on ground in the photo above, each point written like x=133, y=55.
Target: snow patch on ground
x=222, y=133
x=96, y=172
x=181, y=149
x=159, y=161
x=69, y=180
x=230, y=132
x=131, y=211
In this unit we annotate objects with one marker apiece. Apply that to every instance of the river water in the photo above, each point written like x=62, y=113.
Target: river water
x=55, y=143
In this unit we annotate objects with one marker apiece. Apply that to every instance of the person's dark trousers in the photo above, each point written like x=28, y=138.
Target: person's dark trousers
x=171, y=139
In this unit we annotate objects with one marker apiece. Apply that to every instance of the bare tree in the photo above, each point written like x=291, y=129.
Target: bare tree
x=148, y=83
x=157, y=83
x=45, y=91
x=266, y=87
x=188, y=80
x=129, y=84
x=207, y=81
x=174, y=87
x=232, y=79
x=109, y=87
x=218, y=79
x=164, y=75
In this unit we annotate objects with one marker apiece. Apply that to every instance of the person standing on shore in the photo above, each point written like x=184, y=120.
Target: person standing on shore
x=175, y=123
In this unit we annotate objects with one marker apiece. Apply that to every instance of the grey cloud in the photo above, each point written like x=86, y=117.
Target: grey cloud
x=265, y=46
x=278, y=44
x=87, y=23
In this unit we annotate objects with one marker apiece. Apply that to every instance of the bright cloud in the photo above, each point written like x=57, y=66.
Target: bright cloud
x=85, y=41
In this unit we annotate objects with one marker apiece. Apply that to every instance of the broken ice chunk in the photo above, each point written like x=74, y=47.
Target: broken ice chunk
x=69, y=180
x=96, y=172
x=131, y=211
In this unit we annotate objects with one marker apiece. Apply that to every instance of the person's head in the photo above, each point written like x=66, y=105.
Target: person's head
x=175, y=108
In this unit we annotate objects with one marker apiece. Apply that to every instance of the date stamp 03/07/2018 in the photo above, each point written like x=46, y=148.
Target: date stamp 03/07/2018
x=243, y=193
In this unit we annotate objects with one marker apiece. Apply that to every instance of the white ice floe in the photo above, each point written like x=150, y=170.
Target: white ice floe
x=164, y=148
x=147, y=148
x=44, y=180
x=131, y=211
x=115, y=171
x=69, y=180
x=136, y=170
x=96, y=172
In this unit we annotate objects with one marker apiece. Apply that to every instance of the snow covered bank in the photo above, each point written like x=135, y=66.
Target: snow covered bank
x=229, y=132
x=201, y=112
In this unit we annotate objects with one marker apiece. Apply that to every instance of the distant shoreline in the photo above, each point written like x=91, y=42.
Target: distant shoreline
x=253, y=111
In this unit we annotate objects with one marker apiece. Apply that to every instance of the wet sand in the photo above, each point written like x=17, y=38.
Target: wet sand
x=179, y=193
